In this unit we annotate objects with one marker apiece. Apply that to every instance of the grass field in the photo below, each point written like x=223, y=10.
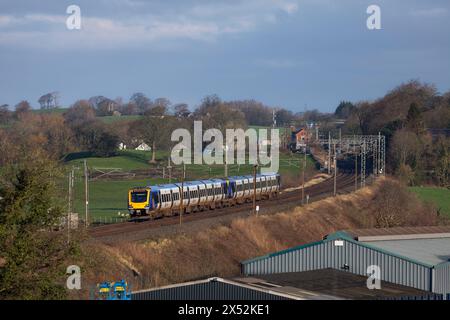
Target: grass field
x=114, y=119
x=440, y=197
x=125, y=160
x=108, y=197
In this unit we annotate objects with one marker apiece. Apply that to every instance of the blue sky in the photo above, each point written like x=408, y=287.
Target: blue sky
x=287, y=53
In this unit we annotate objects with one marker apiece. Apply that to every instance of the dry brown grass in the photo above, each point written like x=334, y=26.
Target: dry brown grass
x=218, y=251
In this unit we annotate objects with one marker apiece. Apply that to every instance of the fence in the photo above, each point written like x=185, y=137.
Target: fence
x=107, y=220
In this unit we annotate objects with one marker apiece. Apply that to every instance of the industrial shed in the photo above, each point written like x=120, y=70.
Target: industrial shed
x=209, y=289
x=413, y=257
x=324, y=284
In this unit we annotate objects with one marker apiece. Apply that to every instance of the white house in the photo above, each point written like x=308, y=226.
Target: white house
x=122, y=146
x=143, y=147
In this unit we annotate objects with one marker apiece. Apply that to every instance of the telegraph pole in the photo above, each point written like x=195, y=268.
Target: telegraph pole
x=69, y=212
x=169, y=167
x=86, y=194
x=356, y=166
x=329, y=152
x=363, y=164
x=182, y=194
x=335, y=169
x=379, y=154
x=225, y=162
x=303, y=174
x=254, y=188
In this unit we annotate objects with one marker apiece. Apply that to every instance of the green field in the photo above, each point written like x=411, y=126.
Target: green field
x=125, y=160
x=114, y=119
x=108, y=197
x=440, y=197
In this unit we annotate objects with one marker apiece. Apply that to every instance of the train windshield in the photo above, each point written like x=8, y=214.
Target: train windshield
x=139, y=196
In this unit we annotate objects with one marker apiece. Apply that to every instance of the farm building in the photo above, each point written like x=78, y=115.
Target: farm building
x=416, y=257
x=299, y=138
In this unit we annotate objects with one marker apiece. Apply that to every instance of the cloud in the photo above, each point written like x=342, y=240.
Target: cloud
x=204, y=21
x=276, y=63
x=429, y=12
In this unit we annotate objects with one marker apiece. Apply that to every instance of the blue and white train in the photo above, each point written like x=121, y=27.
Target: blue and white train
x=161, y=200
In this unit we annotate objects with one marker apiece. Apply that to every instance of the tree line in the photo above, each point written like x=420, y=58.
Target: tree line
x=415, y=118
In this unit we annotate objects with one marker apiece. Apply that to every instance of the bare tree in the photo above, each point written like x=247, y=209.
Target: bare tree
x=181, y=110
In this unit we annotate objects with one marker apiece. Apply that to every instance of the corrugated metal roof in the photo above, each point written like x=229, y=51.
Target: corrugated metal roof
x=212, y=289
x=303, y=246
x=336, y=236
x=429, y=251
x=331, y=283
x=412, y=232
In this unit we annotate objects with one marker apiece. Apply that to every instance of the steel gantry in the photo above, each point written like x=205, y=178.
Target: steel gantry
x=364, y=146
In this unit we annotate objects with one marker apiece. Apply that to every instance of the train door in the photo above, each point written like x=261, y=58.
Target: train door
x=245, y=187
x=193, y=195
x=202, y=194
x=258, y=185
x=175, y=198
x=166, y=199
x=239, y=191
x=218, y=191
x=155, y=199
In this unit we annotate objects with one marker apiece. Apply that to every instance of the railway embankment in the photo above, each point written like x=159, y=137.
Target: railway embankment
x=217, y=251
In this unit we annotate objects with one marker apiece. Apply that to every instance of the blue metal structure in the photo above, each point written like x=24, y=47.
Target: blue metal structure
x=118, y=290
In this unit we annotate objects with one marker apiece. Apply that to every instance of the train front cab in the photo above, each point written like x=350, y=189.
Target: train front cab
x=139, y=201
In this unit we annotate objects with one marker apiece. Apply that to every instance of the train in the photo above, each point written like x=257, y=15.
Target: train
x=165, y=200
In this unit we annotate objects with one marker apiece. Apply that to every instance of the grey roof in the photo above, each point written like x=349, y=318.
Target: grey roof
x=429, y=251
x=399, y=233
x=329, y=284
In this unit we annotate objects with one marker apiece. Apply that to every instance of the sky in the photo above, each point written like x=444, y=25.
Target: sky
x=296, y=54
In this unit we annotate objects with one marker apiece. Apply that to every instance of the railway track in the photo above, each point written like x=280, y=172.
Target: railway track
x=344, y=183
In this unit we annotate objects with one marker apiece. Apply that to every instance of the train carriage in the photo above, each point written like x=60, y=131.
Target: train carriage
x=165, y=199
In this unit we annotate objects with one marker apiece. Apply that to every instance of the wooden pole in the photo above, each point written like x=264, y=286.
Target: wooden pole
x=329, y=152
x=254, y=188
x=303, y=175
x=181, y=196
x=86, y=194
x=356, y=168
x=335, y=169
x=69, y=209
